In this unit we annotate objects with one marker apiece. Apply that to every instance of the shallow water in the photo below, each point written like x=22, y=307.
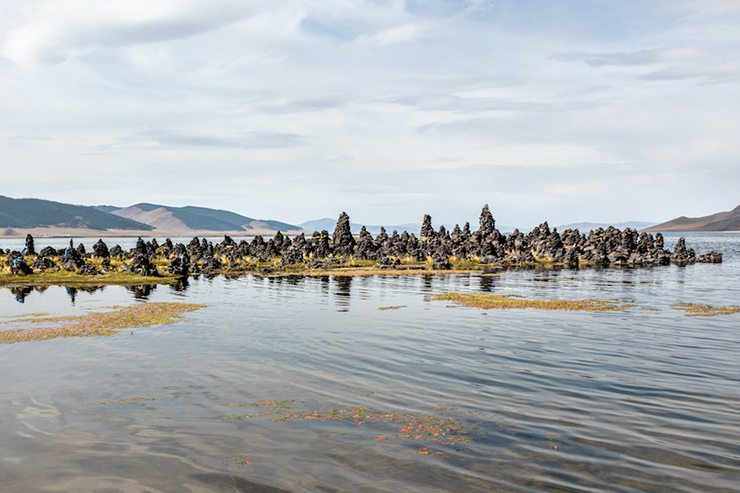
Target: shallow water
x=645, y=399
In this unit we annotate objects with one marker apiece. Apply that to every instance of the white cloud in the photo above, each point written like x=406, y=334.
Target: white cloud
x=405, y=33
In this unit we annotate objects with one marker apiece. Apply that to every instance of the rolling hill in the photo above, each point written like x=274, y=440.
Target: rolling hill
x=192, y=218
x=38, y=213
x=722, y=221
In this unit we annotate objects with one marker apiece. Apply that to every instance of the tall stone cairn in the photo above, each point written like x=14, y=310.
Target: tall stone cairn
x=487, y=223
x=343, y=242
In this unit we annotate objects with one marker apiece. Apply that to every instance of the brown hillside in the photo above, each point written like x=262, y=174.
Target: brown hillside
x=721, y=221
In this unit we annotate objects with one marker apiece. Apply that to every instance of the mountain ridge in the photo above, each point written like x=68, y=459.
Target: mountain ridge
x=720, y=221
x=30, y=213
x=192, y=218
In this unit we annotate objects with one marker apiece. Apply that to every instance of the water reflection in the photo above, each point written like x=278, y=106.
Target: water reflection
x=343, y=292
x=21, y=293
x=141, y=291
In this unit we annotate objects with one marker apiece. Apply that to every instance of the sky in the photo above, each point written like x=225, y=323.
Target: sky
x=561, y=111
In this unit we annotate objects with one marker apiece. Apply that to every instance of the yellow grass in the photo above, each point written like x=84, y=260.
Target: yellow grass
x=503, y=302
x=699, y=310
x=99, y=324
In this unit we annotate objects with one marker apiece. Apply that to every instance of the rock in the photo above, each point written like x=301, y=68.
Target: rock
x=343, y=243
x=88, y=270
x=179, y=265
x=29, y=250
x=442, y=265
x=44, y=264
x=142, y=266
x=427, y=231
x=48, y=252
x=486, y=222
x=100, y=249
x=210, y=263
x=72, y=259
x=18, y=266
x=116, y=251
x=710, y=257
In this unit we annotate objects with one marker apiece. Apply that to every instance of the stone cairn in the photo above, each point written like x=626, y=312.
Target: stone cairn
x=487, y=245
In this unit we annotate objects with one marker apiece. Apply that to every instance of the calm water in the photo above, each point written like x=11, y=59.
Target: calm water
x=645, y=399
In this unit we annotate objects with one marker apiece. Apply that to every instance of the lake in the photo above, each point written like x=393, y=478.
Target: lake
x=368, y=384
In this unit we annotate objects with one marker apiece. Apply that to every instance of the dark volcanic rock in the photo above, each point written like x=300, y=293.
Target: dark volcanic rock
x=100, y=249
x=179, y=265
x=710, y=258
x=88, y=270
x=29, y=250
x=343, y=243
x=44, y=263
x=72, y=259
x=116, y=251
x=18, y=266
x=142, y=266
x=48, y=252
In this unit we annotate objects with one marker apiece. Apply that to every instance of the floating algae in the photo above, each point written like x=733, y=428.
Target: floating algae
x=505, y=302
x=100, y=324
x=118, y=401
x=398, y=307
x=443, y=426
x=699, y=310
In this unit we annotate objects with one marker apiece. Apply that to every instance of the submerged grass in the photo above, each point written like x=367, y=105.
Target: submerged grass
x=445, y=426
x=700, y=310
x=100, y=324
x=505, y=302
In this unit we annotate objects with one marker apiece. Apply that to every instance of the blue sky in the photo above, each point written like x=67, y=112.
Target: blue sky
x=561, y=111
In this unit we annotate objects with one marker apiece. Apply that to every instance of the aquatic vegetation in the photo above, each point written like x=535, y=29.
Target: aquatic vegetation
x=397, y=307
x=507, y=302
x=700, y=310
x=100, y=324
x=118, y=401
x=444, y=426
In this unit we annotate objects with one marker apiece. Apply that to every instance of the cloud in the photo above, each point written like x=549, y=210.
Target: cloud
x=457, y=104
x=405, y=33
x=58, y=31
x=168, y=140
x=635, y=58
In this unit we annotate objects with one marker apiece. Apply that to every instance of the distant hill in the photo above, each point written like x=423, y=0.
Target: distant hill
x=329, y=225
x=722, y=221
x=106, y=208
x=38, y=213
x=197, y=218
x=585, y=227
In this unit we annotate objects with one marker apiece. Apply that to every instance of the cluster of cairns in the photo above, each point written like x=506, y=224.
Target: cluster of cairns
x=487, y=245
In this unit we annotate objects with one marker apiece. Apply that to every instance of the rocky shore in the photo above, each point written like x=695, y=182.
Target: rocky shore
x=438, y=250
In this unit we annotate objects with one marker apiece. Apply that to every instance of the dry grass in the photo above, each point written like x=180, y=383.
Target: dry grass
x=502, y=302
x=699, y=310
x=98, y=324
